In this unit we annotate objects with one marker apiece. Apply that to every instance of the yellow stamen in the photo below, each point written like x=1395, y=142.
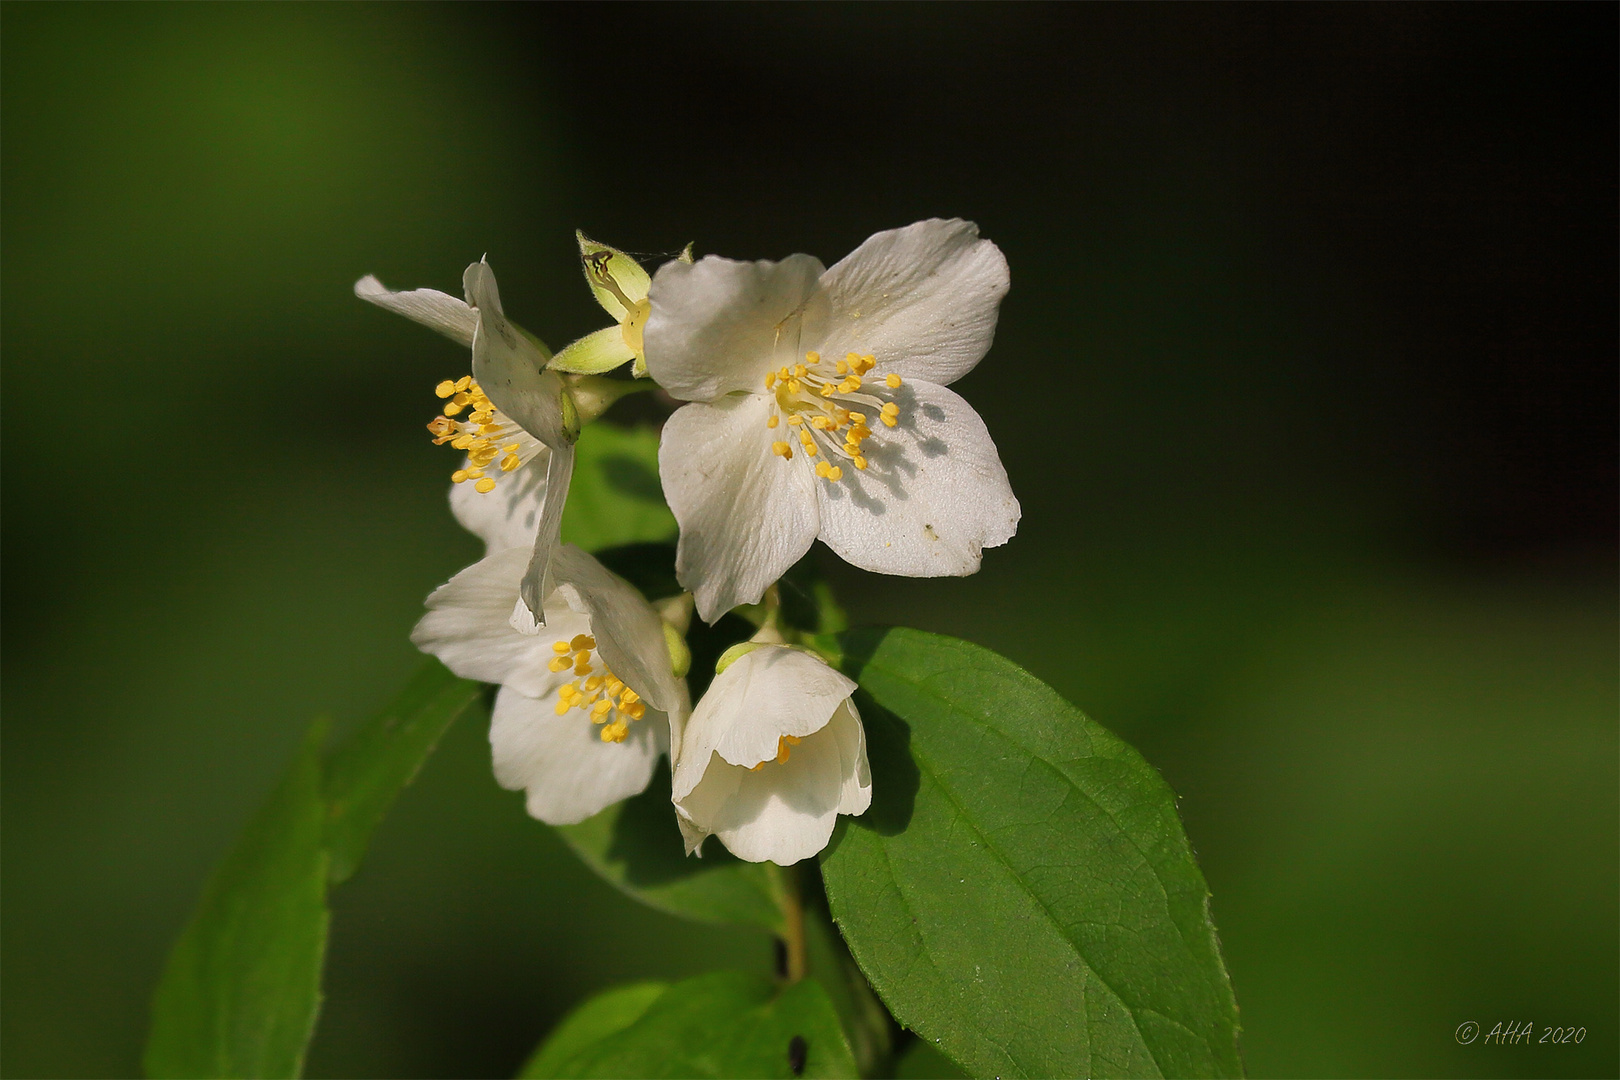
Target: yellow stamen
x=795, y=420
x=811, y=358
x=582, y=641
x=770, y=380
x=510, y=462
x=800, y=370
x=889, y=421
x=892, y=380
x=860, y=462
x=783, y=748
x=445, y=389
x=485, y=486
x=835, y=473
x=464, y=382
x=458, y=476
x=561, y=648
x=794, y=386
x=828, y=389
x=451, y=409
x=782, y=450
x=773, y=421
x=843, y=369
x=561, y=663
x=630, y=697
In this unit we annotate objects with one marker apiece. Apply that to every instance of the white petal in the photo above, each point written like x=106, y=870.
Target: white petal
x=447, y=314
x=783, y=812
x=718, y=325
x=922, y=300
x=595, y=353
x=510, y=366
x=570, y=773
x=528, y=617
x=745, y=514
x=466, y=627
x=765, y=694
x=629, y=633
x=933, y=495
x=509, y=516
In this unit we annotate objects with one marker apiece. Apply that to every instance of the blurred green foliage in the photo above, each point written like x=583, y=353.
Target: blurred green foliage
x=1240, y=442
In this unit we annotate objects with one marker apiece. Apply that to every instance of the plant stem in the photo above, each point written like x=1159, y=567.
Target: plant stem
x=792, y=903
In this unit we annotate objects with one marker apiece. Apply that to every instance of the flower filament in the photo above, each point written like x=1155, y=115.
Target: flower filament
x=815, y=397
x=480, y=434
x=595, y=689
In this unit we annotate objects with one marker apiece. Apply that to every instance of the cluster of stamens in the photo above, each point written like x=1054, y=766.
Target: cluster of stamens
x=784, y=750
x=816, y=403
x=595, y=689
x=479, y=434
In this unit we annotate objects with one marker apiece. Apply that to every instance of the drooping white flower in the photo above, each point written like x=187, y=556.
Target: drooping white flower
x=819, y=409
x=520, y=425
x=584, y=710
x=620, y=285
x=773, y=754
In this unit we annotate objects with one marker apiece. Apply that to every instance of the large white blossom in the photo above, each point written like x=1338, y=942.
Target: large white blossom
x=518, y=430
x=773, y=754
x=819, y=409
x=584, y=710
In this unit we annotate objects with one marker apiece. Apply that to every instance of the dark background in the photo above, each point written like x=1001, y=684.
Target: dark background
x=1306, y=383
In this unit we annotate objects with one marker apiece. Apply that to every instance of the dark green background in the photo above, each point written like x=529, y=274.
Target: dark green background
x=1306, y=382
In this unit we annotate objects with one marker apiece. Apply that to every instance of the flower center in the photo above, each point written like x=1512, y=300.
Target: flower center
x=784, y=750
x=595, y=689
x=481, y=434
x=816, y=396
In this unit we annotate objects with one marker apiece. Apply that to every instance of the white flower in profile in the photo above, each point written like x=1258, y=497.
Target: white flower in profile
x=585, y=710
x=820, y=410
x=518, y=431
x=773, y=754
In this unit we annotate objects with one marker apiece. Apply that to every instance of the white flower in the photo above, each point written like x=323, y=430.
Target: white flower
x=585, y=710
x=820, y=409
x=773, y=754
x=520, y=425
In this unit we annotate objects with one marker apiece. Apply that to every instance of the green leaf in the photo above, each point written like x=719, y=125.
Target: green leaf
x=242, y=987
x=600, y=1018
x=637, y=846
x=725, y=1024
x=1021, y=892
x=366, y=774
x=615, y=497
x=920, y=1061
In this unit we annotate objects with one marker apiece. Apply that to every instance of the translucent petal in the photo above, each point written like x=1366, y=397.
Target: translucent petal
x=595, y=353
x=617, y=280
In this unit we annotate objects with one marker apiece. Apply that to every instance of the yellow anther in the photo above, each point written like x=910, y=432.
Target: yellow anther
x=857, y=418
x=458, y=476
x=868, y=362
x=561, y=648
x=800, y=371
x=794, y=386
x=562, y=707
x=600, y=709
x=582, y=666
x=853, y=360
x=820, y=423
x=582, y=641
x=860, y=430
x=462, y=441
x=843, y=367
x=510, y=462
x=613, y=685
x=568, y=691
x=835, y=473
x=889, y=420
x=770, y=380
x=629, y=697
x=615, y=732
x=593, y=684
x=810, y=449
x=860, y=462
x=758, y=767
x=811, y=358
x=823, y=469
x=635, y=710
x=785, y=374
x=476, y=474
x=892, y=380
x=462, y=399
x=485, y=486
x=795, y=420
x=464, y=382
x=561, y=663
x=782, y=450
x=773, y=421
x=890, y=409
x=827, y=389
x=783, y=748
x=451, y=409
x=445, y=389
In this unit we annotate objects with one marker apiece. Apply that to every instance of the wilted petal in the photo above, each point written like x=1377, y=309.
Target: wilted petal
x=568, y=771
x=595, y=353
x=629, y=634
x=745, y=514
x=529, y=615
x=510, y=366
x=439, y=311
x=933, y=495
x=923, y=300
x=718, y=325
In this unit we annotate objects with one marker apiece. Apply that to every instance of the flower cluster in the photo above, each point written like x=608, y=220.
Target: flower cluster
x=816, y=407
